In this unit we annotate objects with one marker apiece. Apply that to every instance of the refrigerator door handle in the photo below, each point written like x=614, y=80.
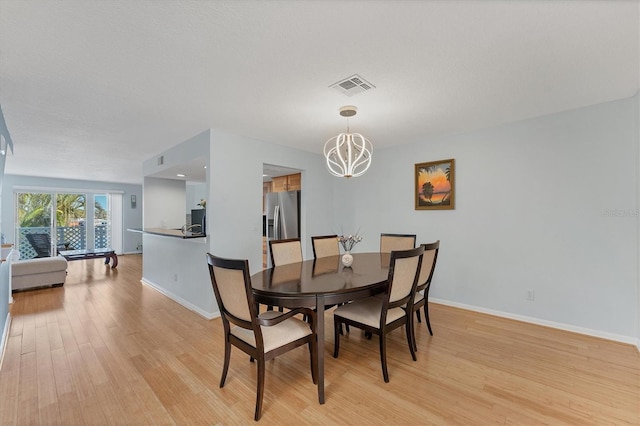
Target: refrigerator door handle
x=276, y=223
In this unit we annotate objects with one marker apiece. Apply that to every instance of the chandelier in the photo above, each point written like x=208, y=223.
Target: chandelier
x=348, y=154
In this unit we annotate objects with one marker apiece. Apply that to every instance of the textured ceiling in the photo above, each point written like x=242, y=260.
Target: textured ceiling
x=90, y=89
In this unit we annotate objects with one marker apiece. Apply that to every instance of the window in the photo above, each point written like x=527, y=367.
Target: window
x=102, y=221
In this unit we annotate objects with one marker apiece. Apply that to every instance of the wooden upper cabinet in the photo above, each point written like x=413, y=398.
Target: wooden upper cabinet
x=294, y=182
x=286, y=183
x=279, y=184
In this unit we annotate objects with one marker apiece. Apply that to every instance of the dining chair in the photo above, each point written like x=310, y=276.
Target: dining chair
x=287, y=251
x=421, y=298
x=390, y=242
x=284, y=252
x=380, y=316
x=261, y=336
x=325, y=246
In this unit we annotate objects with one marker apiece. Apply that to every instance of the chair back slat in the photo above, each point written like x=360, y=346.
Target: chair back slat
x=284, y=252
x=404, y=276
x=391, y=242
x=231, y=288
x=428, y=264
x=325, y=246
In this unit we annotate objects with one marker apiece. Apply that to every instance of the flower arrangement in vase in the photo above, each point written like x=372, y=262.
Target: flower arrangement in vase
x=348, y=242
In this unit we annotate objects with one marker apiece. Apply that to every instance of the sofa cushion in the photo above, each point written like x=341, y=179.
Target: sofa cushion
x=41, y=265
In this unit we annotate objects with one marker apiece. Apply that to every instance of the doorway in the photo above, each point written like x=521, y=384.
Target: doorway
x=278, y=179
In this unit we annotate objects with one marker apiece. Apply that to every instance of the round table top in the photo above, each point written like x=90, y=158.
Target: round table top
x=323, y=276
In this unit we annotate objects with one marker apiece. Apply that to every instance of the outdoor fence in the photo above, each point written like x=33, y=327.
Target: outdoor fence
x=74, y=237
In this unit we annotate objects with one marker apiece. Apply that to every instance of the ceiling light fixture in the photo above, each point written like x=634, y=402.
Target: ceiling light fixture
x=348, y=154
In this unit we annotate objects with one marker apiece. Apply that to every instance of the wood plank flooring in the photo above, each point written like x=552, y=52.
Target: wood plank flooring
x=105, y=349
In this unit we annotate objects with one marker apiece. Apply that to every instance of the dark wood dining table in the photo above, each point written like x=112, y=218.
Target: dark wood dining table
x=318, y=283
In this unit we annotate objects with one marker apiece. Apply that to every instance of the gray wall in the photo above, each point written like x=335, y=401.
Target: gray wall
x=547, y=204
x=131, y=218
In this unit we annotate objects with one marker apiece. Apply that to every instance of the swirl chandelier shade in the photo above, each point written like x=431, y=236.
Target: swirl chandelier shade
x=348, y=154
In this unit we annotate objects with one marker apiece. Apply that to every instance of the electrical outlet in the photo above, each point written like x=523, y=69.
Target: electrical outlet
x=175, y=277
x=531, y=295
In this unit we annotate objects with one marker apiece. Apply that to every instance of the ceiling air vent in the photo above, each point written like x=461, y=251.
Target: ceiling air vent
x=161, y=160
x=352, y=85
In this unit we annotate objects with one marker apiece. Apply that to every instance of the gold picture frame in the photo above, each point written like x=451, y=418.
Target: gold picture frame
x=434, y=185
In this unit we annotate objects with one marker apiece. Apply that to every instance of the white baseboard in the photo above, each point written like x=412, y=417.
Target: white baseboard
x=181, y=301
x=5, y=338
x=132, y=252
x=538, y=321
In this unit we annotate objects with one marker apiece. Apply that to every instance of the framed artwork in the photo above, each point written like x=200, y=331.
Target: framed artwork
x=434, y=188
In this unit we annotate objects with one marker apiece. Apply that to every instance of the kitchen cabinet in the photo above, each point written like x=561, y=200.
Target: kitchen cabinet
x=286, y=183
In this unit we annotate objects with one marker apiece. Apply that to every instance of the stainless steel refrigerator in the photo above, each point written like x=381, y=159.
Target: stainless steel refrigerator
x=283, y=216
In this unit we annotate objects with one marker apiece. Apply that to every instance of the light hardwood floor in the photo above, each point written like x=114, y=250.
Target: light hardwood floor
x=105, y=349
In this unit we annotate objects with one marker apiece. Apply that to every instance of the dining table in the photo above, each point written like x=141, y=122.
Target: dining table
x=321, y=283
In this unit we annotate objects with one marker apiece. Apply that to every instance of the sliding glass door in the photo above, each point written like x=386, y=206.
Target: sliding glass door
x=50, y=222
x=71, y=221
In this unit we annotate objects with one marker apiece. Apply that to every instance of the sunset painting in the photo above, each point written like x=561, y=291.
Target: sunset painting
x=434, y=185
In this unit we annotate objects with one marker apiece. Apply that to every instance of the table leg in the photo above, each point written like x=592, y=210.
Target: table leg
x=114, y=260
x=320, y=345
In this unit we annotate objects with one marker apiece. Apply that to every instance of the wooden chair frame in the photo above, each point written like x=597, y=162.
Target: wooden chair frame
x=258, y=352
x=424, y=283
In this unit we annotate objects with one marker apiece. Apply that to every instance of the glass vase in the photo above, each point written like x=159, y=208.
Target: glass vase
x=347, y=259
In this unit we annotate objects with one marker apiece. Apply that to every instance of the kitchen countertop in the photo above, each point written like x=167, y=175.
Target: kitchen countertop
x=173, y=233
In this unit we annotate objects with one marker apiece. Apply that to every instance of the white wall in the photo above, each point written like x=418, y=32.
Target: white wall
x=195, y=193
x=637, y=139
x=174, y=266
x=178, y=268
x=164, y=203
x=5, y=287
x=538, y=207
x=235, y=200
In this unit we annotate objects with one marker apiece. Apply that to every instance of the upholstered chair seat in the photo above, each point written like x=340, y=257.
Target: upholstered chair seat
x=368, y=311
x=391, y=242
x=277, y=335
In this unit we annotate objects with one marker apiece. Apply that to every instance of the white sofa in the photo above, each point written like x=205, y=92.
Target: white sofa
x=39, y=272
